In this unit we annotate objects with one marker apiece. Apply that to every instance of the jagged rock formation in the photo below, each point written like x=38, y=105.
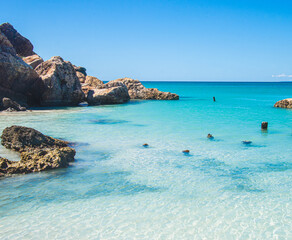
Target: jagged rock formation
x=286, y=103
x=33, y=60
x=18, y=80
x=62, y=86
x=21, y=44
x=110, y=93
x=138, y=91
x=38, y=151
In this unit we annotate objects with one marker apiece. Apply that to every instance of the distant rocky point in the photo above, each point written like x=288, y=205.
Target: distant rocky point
x=286, y=103
x=27, y=80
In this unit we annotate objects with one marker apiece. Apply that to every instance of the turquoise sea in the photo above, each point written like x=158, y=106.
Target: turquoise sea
x=117, y=189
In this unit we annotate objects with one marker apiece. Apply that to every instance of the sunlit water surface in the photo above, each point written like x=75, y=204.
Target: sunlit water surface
x=117, y=189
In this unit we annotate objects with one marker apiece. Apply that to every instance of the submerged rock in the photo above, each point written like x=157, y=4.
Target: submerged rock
x=246, y=142
x=286, y=103
x=210, y=136
x=62, y=86
x=38, y=151
x=138, y=91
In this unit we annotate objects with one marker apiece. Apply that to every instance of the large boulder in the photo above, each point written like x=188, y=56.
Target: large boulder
x=286, y=103
x=18, y=80
x=62, y=86
x=110, y=93
x=21, y=44
x=33, y=60
x=138, y=91
x=38, y=152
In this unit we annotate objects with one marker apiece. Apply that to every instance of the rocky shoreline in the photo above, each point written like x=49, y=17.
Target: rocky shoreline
x=26, y=80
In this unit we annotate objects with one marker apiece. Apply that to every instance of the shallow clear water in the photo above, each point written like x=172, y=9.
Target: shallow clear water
x=116, y=189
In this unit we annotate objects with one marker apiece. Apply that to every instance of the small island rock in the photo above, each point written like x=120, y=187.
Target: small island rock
x=286, y=103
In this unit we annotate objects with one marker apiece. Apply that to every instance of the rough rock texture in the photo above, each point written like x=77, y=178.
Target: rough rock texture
x=38, y=151
x=138, y=91
x=21, y=44
x=93, y=82
x=22, y=138
x=286, y=103
x=81, y=70
x=33, y=60
x=9, y=105
x=81, y=77
x=110, y=93
x=62, y=86
x=18, y=80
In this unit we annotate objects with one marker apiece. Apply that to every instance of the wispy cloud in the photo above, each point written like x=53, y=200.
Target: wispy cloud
x=283, y=75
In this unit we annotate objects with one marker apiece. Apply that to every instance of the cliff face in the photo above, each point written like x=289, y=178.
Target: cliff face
x=17, y=79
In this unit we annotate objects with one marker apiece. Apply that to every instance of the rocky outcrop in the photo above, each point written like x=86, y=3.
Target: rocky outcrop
x=81, y=77
x=62, y=86
x=18, y=80
x=33, y=60
x=21, y=44
x=138, y=91
x=11, y=106
x=286, y=103
x=110, y=93
x=38, y=151
x=93, y=82
x=81, y=70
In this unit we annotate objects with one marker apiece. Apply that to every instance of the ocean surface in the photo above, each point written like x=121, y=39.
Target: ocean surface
x=117, y=189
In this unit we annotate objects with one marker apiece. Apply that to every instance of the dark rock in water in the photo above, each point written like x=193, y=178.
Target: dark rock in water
x=186, y=151
x=286, y=103
x=21, y=44
x=264, y=125
x=62, y=86
x=138, y=91
x=21, y=138
x=10, y=106
x=246, y=142
x=145, y=145
x=110, y=93
x=38, y=151
x=210, y=136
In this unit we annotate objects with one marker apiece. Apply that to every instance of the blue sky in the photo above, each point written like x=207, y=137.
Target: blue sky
x=162, y=40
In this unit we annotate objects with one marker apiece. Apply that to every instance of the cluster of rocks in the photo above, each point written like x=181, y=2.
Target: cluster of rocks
x=38, y=152
x=27, y=80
